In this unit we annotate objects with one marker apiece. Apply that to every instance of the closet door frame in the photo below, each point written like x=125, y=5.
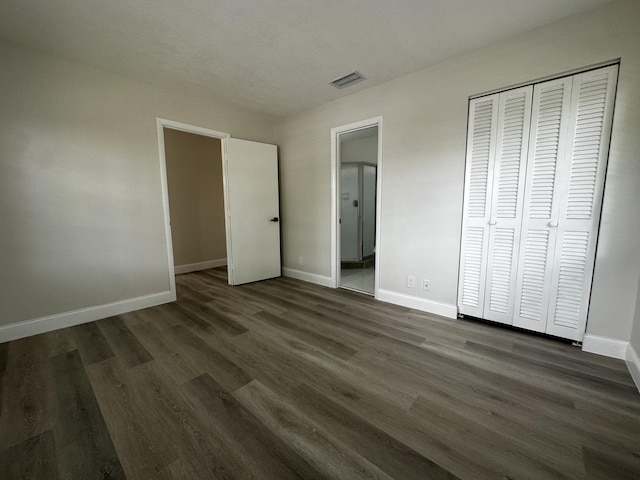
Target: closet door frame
x=553, y=247
x=334, y=281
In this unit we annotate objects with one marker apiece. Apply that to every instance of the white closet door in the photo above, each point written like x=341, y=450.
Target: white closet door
x=547, y=145
x=580, y=186
x=481, y=139
x=514, y=114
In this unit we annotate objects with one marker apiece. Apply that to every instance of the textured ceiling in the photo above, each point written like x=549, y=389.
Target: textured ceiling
x=275, y=57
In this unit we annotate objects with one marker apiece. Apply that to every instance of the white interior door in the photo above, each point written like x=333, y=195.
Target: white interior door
x=252, y=207
x=581, y=188
x=514, y=114
x=478, y=185
x=547, y=146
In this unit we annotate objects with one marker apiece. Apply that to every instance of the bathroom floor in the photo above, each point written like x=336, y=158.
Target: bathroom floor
x=359, y=279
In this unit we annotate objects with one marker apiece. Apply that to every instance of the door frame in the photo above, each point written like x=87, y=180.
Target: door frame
x=161, y=124
x=335, y=200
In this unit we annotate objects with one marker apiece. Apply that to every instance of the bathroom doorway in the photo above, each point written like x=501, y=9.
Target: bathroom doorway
x=357, y=155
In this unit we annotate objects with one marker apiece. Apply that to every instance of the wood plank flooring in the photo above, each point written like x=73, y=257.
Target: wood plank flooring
x=284, y=379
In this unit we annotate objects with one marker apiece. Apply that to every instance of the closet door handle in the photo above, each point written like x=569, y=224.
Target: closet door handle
x=493, y=221
x=553, y=224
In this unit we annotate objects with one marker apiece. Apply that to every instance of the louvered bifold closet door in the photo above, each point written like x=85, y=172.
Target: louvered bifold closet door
x=514, y=114
x=580, y=186
x=481, y=139
x=547, y=145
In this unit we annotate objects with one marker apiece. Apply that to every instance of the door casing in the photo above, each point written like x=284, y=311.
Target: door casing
x=335, y=200
x=161, y=123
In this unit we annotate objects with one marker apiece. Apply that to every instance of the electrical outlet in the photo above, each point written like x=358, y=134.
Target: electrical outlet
x=426, y=284
x=300, y=261
x=411, y=281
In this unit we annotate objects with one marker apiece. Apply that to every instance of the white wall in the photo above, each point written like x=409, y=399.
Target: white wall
x=423, y=137
x=633, y=350
x=80, y=192
x=635, y=334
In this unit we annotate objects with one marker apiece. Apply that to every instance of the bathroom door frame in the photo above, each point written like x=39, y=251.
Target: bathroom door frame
x=335, y=198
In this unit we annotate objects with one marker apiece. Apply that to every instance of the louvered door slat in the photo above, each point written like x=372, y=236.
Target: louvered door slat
x=582, y=184
x=500, y=292
x=481, y=145
x=474, y=267
x=483, y=114
x=533, y=273
x=514, y=115
x=571, y=279
x=552, y=103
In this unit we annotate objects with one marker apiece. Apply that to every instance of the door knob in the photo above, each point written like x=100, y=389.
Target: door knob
x=553, y=224
x=274, y=219
x=493, y=221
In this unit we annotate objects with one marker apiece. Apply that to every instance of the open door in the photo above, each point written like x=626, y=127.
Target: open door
x=253, y=214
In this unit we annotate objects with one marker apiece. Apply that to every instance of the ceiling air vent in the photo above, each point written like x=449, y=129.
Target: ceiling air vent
x=347, y=80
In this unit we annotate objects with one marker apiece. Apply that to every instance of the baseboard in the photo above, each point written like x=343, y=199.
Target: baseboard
x=194, y=267
x=76, y=317
x=609, y=347
x=429, y=306
x=633, y=363
x=308, y=277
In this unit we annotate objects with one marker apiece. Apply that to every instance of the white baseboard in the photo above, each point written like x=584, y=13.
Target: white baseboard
x=429, y=306
x=76, y=317
x=609, y=347
x=194, y=267
x=308, y=277
x=633, y=364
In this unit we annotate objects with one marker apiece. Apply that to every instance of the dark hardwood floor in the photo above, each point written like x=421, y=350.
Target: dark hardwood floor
x=284, y=379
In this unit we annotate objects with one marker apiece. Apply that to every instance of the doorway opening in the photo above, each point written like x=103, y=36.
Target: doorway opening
x=251, y=205
x=196, y=200
x=357, y=205
x=189, y=242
